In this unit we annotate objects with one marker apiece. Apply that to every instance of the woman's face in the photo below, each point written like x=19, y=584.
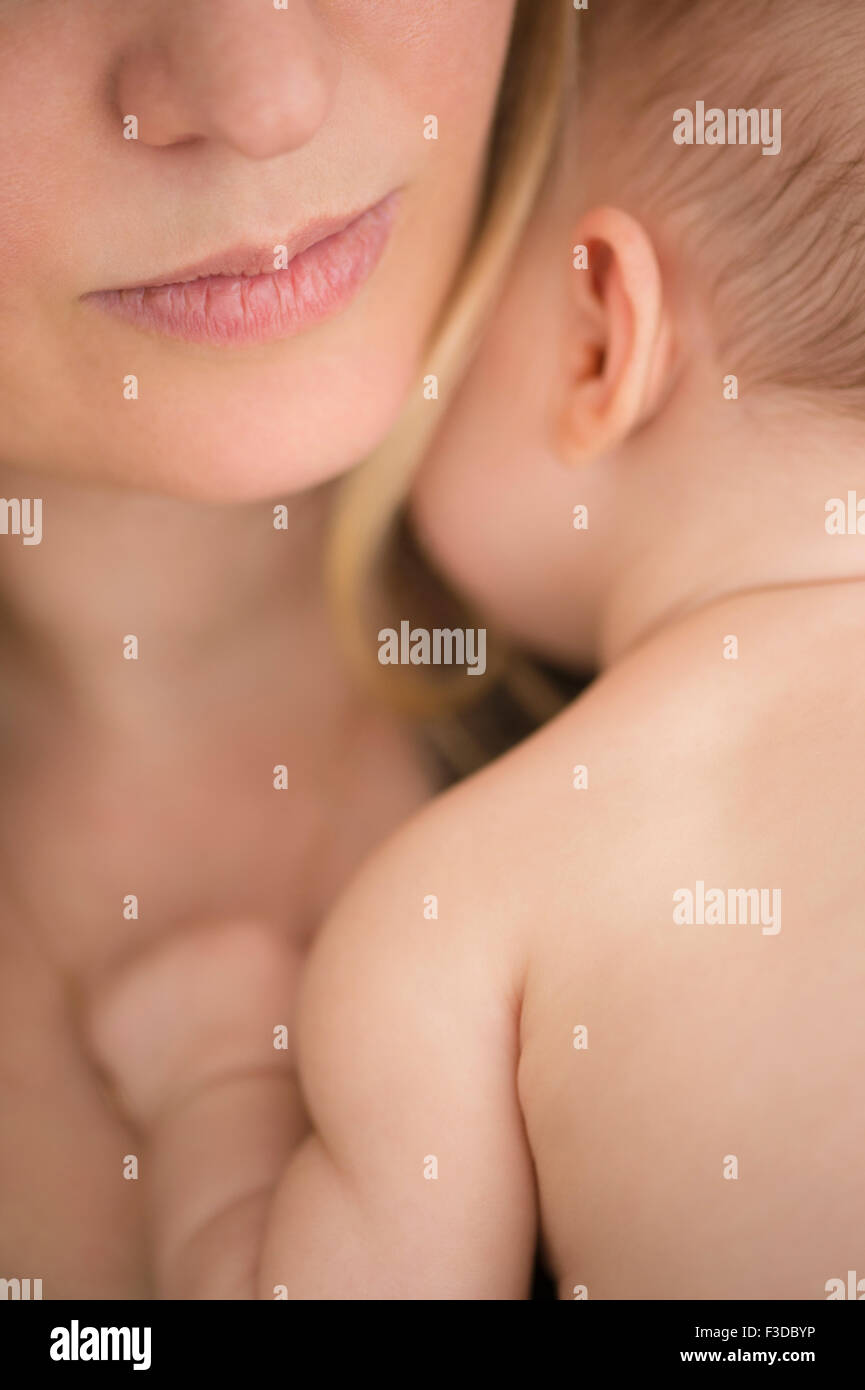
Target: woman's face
x=266, y=258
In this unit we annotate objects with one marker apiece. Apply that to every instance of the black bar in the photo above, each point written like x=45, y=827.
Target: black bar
x=237, y=1339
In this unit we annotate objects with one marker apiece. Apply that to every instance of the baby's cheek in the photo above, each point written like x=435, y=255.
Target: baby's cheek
x=204, y=1004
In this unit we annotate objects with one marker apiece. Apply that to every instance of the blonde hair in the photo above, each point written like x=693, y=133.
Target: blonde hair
x=370, y=501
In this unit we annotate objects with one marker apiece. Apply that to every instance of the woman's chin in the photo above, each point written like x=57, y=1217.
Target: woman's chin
x=231, y=451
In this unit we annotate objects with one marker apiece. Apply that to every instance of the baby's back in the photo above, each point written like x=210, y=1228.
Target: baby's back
x=692, y=1066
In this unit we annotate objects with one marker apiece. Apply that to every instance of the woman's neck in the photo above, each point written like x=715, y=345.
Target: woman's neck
x=212, y=594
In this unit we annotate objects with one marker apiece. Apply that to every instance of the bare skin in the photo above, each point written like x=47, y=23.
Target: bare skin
x=254, y=129
x=117, y=786
x=454, y=1038
x=705, y=1142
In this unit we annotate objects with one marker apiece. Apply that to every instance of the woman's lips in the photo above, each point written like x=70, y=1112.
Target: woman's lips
x=237, y=299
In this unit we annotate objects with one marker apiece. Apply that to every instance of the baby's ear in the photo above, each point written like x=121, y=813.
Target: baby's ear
x=618, y=336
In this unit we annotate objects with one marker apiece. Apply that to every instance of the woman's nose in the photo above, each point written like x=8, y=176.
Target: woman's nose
x=239, y=72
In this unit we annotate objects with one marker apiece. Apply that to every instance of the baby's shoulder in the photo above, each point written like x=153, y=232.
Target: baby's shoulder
x=727, y=752
x=732, y=741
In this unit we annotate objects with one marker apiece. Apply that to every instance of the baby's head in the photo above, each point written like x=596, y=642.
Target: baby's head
x=682, y=330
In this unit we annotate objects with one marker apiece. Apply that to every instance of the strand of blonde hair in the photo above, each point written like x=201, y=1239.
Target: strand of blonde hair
x=372, y=497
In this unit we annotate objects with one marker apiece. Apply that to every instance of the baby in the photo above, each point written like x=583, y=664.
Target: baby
x=608, y=991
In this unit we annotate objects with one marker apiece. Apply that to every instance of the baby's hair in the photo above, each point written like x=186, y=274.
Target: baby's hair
x=775, y=244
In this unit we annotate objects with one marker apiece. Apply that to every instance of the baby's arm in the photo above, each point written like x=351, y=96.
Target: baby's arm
x=416, y=1181
x=185, y=1032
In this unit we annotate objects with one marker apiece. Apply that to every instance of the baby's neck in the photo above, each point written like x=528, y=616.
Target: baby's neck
x=733, y=507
